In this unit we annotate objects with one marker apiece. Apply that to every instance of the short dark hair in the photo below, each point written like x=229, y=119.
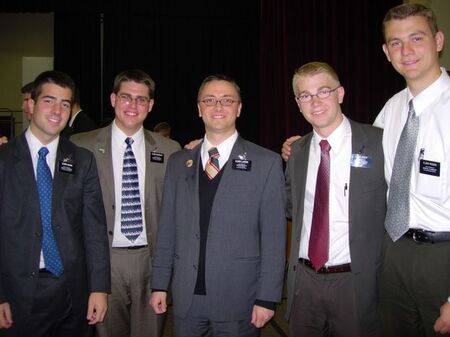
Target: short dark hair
x=162, y=126
x=52, y=76
x=135, y=75
x=219, y=77
x=27, y=88
x=404, y=11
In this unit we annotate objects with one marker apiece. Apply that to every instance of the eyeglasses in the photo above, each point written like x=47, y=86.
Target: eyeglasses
x=224, y=101
x=321, y=94
x=128, y=99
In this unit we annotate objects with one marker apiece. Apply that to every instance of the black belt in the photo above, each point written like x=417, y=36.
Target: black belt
x=131, y=247
x=342, y=268
x=421, y=235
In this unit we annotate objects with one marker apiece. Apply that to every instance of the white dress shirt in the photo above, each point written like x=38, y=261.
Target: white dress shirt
x=224, y=149
x=430, y=195
x=35, y=145
x=340, y=155
x=118, y=147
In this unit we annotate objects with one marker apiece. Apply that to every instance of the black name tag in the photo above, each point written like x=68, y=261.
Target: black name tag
x=242, y=165
x=432, y=168
x=157, y=157
x=66, y=167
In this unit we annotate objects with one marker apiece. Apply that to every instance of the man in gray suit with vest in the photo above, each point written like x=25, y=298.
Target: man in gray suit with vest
x=131, y=164
x=222, y=228
x=337, y=201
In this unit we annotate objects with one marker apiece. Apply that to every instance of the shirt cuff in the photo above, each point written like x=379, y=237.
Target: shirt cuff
x=266, y=304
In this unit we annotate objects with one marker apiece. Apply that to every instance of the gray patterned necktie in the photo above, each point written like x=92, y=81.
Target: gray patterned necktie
x=397, y=216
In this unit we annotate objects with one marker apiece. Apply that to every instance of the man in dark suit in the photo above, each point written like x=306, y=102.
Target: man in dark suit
x=336, y=199
x=222, y=227
x=54, y=257
x=132, y=99
x=79, y=120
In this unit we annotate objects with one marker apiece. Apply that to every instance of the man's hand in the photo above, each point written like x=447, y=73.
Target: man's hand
x=3, y=140
x=286, y=149
x=158, y=302
x=5, y=316
x=192, y=144
x=260, y=316
x=97, y=306
x=442, y=324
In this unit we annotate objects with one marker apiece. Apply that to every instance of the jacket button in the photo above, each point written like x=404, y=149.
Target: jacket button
x=110, y=232
x=37, y=234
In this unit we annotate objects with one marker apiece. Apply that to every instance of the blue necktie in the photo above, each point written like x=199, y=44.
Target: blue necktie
x=131, y=214
x=44, y=182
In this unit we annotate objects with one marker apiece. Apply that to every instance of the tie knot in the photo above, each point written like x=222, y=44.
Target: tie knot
x=324, y=145
x=129, y=141
x=411, y=110
x=43, y=152
x=213, y=152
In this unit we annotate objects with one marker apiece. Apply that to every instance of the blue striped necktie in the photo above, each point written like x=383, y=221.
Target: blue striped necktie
x=44, y=183
x=131, y=213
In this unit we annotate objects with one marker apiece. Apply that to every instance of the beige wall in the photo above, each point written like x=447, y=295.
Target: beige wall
x=21, y=35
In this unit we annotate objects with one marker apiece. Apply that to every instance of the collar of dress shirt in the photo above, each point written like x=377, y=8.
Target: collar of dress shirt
x=224, y=149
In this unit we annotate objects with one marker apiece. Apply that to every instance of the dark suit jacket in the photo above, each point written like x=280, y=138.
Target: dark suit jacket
x=81, y=123
x=246, y=236
x=99, y=142
x=367, y=209
x=79, y=226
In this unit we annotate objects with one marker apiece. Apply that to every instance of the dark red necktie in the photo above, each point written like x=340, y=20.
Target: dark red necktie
x=320, y=232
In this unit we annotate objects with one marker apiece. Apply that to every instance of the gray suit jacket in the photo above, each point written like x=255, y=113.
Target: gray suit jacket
x=367, y=209
x=78, y=221
x=246, y=237
x=99, y=143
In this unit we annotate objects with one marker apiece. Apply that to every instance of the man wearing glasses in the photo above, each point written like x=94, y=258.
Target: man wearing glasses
x=131, y=164
x=336, y=198
x=222, y=229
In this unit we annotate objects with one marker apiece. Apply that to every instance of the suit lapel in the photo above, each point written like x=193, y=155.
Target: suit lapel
x=103, y=155
x=359, y=143
x=301, y=170
x=192, y=169
x=150, y=167
x=25, y=173
x=63, y=153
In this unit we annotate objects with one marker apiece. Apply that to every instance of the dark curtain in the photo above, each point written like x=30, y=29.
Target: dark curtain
x=347, y=35
x=179, y=45
x=258, y=42
x=77, y=52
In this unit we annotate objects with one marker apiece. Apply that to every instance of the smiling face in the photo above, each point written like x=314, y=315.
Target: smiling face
x=50, y=112
x=413, y=50
x=324, y=115
x=132, y=103
x=219, y=120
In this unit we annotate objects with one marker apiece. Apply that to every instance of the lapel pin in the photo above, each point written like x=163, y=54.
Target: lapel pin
x=189, y=163
x=101, y=150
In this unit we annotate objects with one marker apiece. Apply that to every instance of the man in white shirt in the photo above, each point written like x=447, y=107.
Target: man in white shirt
x=415, y=278
x=131, y=164
x=222, y=228
x=336, y=236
